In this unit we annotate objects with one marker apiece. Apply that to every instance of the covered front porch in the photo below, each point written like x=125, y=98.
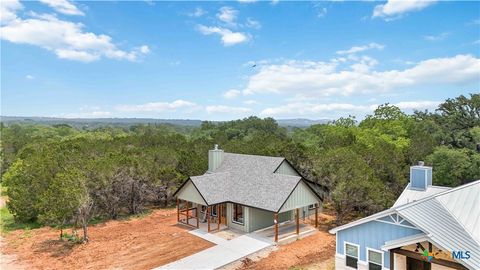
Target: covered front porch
x=207, y=218
x=419, y=253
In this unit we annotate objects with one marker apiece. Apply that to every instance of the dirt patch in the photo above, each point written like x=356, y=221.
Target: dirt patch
x=309, y=252
x=142, y=243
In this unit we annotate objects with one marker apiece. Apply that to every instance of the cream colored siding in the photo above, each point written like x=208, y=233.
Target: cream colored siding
x=301, y=196
x=191, y=194
x=246, y=215
x=285, y=168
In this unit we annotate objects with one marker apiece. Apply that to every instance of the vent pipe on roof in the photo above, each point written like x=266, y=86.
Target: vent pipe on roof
x=215, y=158
x=420, y=176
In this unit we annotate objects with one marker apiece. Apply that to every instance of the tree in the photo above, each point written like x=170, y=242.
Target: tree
x=454, y=167
x=59, y=204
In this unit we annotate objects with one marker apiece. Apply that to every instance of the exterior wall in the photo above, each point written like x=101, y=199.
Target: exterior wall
x=373, y=235
x=285, y=168
x=341, y=264
x=246, y=217
x=400, y=262
x=190, y=193
x=260, y=219
x=440, y=267
x=301, y=196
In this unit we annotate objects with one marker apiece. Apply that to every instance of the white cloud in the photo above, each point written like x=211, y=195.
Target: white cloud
x=29, y=77
x=228, y=37
x=198, y=12
x=8, y=10
x=322, y=12
x=438, y=37
x=307, y=78
x=63, y=6
x=274, y=2
x=251, y=102
x=67, y=40
x=227, y=15
x=247, y=1
x=357, y=49
x=233, y=93
x=417, y=105
x=253, y=23
x=395, y=8
x=158, y=106
x=227, y=109
x=295, y=109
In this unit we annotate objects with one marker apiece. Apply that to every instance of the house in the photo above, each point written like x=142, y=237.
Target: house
x=428, y=227
x=246, y=193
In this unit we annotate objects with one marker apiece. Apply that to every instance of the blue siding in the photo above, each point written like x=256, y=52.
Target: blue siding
x=417, y=180
x=372, y=234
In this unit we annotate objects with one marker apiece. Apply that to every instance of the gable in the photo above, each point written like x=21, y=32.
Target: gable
x=286, y=168
x=301, y=196
x=190, y=193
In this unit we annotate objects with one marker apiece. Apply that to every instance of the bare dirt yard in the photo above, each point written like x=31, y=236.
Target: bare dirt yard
x=142, y=243
x=312, y=252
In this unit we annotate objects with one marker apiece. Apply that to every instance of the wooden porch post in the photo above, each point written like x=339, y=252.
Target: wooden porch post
x=297, y=220
x=219, y=215
x=198, y=216
x=275, y=221
x=316, y=215
x=178, y=209
x=392, y=260
x=188, y=217
x=208, y=218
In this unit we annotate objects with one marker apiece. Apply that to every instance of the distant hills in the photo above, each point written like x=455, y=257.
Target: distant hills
x=125, y=122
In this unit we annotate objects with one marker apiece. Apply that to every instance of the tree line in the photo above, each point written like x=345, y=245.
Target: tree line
x=61, y=176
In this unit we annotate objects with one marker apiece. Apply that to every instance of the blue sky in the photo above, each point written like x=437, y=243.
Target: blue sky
x=227, y=60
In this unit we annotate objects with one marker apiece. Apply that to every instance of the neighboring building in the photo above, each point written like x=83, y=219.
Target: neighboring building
x=246, y=192
x=422, y=229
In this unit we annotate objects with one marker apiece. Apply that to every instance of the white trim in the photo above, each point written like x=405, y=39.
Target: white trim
x=398, y=224
x=381, y=214
x=405, y=241
x=377, y=251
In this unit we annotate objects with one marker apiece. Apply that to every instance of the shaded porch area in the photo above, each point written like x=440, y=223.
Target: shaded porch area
x=208, y=218
x=286, y=231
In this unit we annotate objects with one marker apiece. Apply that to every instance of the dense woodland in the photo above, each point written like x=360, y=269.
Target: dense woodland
x=60, y=176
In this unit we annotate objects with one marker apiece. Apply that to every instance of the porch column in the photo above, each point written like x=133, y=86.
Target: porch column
x=316, y=215
x=178, y=209
x=392, y=260
x=188, y=217
x=219, y=215
x=275, y=221
x=297, y=220
x=208, y=218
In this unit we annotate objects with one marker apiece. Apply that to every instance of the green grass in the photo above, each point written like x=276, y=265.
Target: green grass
x=8, y=224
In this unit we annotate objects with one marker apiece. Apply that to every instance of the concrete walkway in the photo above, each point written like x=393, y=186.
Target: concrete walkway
x=225, y=252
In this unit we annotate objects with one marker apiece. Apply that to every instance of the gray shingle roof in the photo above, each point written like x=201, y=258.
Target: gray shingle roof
x=248, y=180
x=251, y=163
x=264, y=191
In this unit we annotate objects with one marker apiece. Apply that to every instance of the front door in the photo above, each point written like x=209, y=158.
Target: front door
x=414, y=264
x=223, y=214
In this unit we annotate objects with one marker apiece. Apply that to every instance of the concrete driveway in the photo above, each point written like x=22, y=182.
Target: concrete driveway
x=225, y=252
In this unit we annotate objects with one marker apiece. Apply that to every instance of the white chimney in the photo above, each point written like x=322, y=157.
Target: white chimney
x=215, y=158
x=420, y=176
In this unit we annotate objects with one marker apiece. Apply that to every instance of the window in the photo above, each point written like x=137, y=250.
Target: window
x=351, y=254
x=311, y=207
x=238, y=213
x=375, y=259
x=214, y=211
x=203, y=209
